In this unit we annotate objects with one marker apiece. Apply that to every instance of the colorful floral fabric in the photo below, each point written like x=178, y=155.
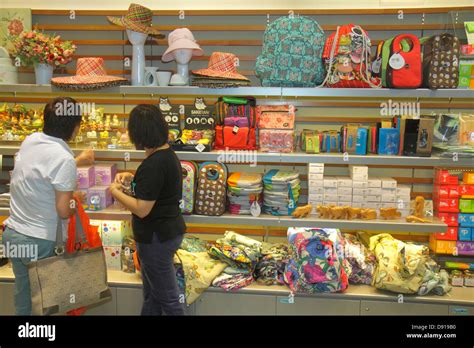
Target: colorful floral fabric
x=317, y=262
x=270, y=268
x=400, y=266
x=194, y=245
x=434, y=280
x=232, y=282
x=361, y=260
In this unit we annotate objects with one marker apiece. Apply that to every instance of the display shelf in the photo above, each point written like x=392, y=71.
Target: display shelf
x=241, y=157
x=458, y=295
x=254, y=91
x=281, y=221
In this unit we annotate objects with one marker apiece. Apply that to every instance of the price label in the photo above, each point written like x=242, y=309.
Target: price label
x=396, y=61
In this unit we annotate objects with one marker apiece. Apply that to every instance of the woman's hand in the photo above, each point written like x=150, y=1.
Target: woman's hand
x=85, y=158
x=114, y=187
x=123, y=178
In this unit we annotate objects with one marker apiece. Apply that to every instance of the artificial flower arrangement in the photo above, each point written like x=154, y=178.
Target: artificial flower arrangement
x=35, y=47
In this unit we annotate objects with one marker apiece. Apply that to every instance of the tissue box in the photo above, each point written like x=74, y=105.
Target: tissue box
x=466, y=220
x=465, y=233
x=449, y=218
x=344, y=182
x=389, y=183
x=105, y=174
x=451, y=234
x=113, y=232
x=466, y=206
x=316, y=168
x=85, y=177
x=99, y=197
x=374, y=183
x=112, y=257
x=465, y=248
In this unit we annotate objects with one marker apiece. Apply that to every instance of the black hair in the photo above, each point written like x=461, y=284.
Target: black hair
x=147, y=127
x=61, y=116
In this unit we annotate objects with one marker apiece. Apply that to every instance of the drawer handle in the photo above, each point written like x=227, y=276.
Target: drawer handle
x=367, y=309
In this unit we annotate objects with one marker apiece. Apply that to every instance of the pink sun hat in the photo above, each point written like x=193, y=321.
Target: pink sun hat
x=178, y=39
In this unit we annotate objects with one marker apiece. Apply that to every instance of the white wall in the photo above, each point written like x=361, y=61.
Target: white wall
x=228, y=4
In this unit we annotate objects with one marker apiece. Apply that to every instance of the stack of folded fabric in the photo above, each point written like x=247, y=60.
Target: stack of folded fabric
x=270, y=268
x=5, y=200
x=281, y=192
x=241, y=254
x=242, y=191
x=221, y=72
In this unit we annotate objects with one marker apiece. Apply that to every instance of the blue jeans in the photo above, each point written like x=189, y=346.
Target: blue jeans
x=45, y=248
x=160, y=288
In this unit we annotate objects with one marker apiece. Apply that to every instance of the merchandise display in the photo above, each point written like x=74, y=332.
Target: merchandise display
x=281, y=192
x=221, y=72
x=243, y=191
x=94, y=181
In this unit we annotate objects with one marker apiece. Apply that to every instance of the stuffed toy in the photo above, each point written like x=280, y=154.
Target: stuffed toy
x=302, y=212
x=324, y=211
x=419, y=210
x=338, y=213
x=368, y=214
x=390, y=213
x=416, y=219
x=353, y=213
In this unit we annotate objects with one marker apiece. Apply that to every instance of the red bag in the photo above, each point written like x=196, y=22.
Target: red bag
x=404, y=68
x=91, y=233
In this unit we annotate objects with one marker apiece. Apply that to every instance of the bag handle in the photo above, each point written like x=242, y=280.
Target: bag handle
x=79, y=234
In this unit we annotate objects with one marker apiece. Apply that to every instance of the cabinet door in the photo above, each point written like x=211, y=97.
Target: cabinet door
x=235, y=304
x=7, y=302
x=390, y=308
x=461, y=310
x=107, y=308
x=316, y=306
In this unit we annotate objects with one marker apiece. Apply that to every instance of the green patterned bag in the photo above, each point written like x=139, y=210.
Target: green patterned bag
x=291, y=55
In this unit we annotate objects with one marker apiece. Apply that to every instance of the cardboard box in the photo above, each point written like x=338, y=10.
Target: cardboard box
x=345, y=191
x=466, y=205
x=360, y=177
x=374, y=182
x=443, y=177
x=360, y=199
x=343, y=181
x=450, y=234
x=372, y=191
x=359, y=184
x=449, y=205
x=353, y=169
x=442, y=246
x=465, y=248
x=315, y=190
x=316, y=177
x=389, y=183
x=465, y=234
x=112, y=257
x=315, y=198
x=330, y=197
x=403, y=190
x=356, y=204
x=466, y=190
x=466, y=220
x=330, y=191
x=85, y=177
x=388, y=197
x=99, y=197
x=114, y=232
x=315, y=183
x=344, y=198
x=330, y=181
x=468, y=178
x=373, y=198
x=316, y=168
x=359, y=192
x=449, y=219
x=105, y=174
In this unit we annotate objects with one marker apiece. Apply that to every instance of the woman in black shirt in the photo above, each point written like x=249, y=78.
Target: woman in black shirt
x=158, y=225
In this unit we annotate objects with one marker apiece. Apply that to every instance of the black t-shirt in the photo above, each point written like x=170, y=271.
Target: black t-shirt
x=159, y=178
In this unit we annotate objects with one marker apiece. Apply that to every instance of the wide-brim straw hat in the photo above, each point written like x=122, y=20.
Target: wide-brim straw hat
x=222, y=64
x=138, y=18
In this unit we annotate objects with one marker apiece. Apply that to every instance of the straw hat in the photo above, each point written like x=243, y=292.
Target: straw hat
x=138, y=18
x=223, y=65
x=90, y=74
x=179, y=39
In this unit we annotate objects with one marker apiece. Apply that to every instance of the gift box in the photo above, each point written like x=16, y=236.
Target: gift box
x=114, y=232
x=446, y=191
x=466, y=220
x=468, y=178
x=447, y=205
x=465, y=248
x=443, y=177
x=99, y=197
x=442, y=246
x=85, y=177
x=466, y=206
x=450, y=234
x=466, y=190
x=112, y=257
x=449, y=219
x=465, y=234
x=105, y=174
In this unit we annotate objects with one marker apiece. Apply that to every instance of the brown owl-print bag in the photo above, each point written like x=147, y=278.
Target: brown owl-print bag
x=211, y=191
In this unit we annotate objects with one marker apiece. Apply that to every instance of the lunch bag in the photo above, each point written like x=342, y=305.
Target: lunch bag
x=211, y=190
x=441, y=61
x=291, y=54
x=189, y=186
x=347, y=58
x=276, y=125
x=236, y=123
x=404, y=67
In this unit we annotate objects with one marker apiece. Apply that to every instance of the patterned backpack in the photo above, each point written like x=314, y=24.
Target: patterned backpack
x=291, y=55
x=189, y=186
x=211, y=190
x=441, y=61
x=347, y=58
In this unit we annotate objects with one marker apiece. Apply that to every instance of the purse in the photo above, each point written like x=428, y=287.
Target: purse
x=69, y=281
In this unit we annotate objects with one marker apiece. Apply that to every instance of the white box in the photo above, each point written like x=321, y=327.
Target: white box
x=404, y=212
x=373, y=191
x=358, y=169
x=389, y=190
x=313, y=197
x=343, y=204
x=327, y=203
x=316, y=177
x=343, y=181
x=330, y=197
x=315, y=190
x=344, y=191
x=401, y=205
x=356, y=204
x=359, y=184
x=359, y=192
x=330, y=181
x=330, y=191
x=315, y=183
x=360, y=199
x=403, y=190
x=360, y=177
x=316, y=168
x=373, y=198
x=404, y=199
x=374, y=182
x=344, y=198
x=389, y=183
x=389, y=198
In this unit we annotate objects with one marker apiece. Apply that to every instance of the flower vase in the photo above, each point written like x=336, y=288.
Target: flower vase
x=43, y=73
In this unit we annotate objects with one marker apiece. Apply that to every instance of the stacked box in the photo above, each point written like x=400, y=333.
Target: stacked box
x=85, y=177
x=315, y=185
x=404, y=199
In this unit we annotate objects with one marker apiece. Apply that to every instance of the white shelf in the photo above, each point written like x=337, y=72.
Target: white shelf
x=253, y=91
x=282, y=221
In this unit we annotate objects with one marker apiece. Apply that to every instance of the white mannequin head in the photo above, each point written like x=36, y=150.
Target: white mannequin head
x=136, y=38
x=183, y=55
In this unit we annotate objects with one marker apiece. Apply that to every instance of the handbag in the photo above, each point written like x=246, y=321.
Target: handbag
x=68, y=281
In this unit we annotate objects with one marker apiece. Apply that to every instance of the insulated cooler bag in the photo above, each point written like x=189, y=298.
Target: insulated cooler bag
x=211, y=190
x=441, y=61
x=404, y=67
x=276, y=127
x=189, y=186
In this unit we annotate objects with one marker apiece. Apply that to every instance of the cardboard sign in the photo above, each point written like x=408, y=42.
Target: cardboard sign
x=200, y=116
x=171, y=113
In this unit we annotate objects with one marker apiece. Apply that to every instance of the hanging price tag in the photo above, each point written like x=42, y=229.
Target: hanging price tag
x=200, y=147
x=376, y=66
x=396, y=61
x=255, y=209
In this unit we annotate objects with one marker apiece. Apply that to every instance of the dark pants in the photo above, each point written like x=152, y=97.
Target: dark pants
x=160, y=288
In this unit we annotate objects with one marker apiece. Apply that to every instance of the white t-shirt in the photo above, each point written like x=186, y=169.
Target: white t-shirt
x=43, y=164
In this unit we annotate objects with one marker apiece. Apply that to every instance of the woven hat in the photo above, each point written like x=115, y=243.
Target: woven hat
x=179, y=39
x=222, y=64
x=138, y=18
x=90, y=74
